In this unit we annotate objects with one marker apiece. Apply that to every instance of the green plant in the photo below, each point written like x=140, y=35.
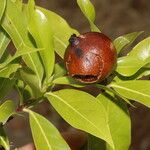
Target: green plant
x=37, y=35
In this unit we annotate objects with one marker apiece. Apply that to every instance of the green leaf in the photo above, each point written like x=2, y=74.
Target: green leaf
x=8, y=70
x=6, y=86
x=17, y=30
x=147, y=66
x=7, y=109
x=137, y=90
x=144, y=72
x=2, y=8
x=118, y=121
x=68, y=81
x=4, y=139
x=61, y=31
x=25, y=92
x=18, y=3
x=125, y=40
x=23, y=51
x=88, y=10
x=4, y=41
x=45, y=135
x=59, y=70
x=78, y=110
x=136, y=59
x=40, y=28
x=30, y=79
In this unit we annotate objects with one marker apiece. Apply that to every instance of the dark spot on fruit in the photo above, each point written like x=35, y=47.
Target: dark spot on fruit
x=78, y=52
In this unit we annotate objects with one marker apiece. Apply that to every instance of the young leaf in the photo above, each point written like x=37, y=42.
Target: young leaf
x=61, y=31
x=30, y=79
x=6, y=86
x=45, y=135
x=17, y=30
x=78, y=110
x=118, y=121
x=2, y=7
x=136, y=59
x=4, y=41
x=88, y=10
x=40, y=29
x=25, y=92
x=125, y=40
x=137, y=90
x=4, y=139
x=7, y=109
x=8, y=70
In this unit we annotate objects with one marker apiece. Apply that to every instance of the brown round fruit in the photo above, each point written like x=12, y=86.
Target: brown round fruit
x=90, y=57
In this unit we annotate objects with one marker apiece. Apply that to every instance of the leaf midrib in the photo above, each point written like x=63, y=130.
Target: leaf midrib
x=22, y=42
x=52, y=94
x=2, y=41
x=130, y=90
x=42, y=131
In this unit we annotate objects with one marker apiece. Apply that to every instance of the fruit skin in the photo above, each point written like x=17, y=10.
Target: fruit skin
x=90, y=57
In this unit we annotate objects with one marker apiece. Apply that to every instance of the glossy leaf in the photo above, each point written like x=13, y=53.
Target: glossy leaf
x=141, y=50
x=4, y=41
x=18, y=3
x=8, y=70
x=30, y=79
x=61, y=31
x=145, y=72
x=137, y=90
x=68, y=81
x=118, y=121
x=23, y=51
x=17, y=30
x=89, y=11
x=40, y=28
x=147, y=66
x=2, y=7
x=125, y=40
x=78, y=110
x=6, y=86
x=4, y=139
x=45, y=135
x=137, y=58
x=7, y=109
